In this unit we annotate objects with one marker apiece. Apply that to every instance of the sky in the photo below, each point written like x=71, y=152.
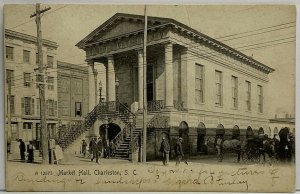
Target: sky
x=68, y=24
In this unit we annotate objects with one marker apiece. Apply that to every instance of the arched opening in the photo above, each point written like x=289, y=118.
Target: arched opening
x=261, y=132
x=109, y=131
x=220, y=130
x=201, y=133
x=249, y=133
x=236, y=132
x=184, y=133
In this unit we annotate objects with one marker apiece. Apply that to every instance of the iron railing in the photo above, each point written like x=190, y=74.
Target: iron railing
x=155, y=105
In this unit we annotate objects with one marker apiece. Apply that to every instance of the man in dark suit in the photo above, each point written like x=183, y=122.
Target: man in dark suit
x=165, y=149
x=95, y=147
x=178, y=151
x=22, y=148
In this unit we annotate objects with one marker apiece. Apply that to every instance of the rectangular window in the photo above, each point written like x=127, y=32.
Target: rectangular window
x=49, y=61
x=12, y=104
x=78, y=109
x=219, y=85
x=28, y=105
x=26, y=56
x=260, y=99
x=27, y=125
x=10, y=77
x=50, y=82
x=38, y=105
x=234, y=85
x=27, y=79
x=199, y=84
x=9, y=53
x=51, y=107
x=248, y=95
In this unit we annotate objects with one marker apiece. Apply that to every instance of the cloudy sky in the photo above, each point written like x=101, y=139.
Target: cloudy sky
x=267, y=33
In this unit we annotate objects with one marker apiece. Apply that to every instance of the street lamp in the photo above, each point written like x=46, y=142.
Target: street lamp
x=117, y=89
x=100, y=91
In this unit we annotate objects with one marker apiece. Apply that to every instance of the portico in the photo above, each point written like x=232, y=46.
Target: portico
x=127, y=68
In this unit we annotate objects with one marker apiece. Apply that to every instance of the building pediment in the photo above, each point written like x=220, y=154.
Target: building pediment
x=120, y=25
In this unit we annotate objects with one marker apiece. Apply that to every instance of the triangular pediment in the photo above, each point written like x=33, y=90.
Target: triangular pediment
x=118, y=25
x=118, y=29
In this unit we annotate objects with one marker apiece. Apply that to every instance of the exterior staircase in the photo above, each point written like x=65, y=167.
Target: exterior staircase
x=126, y=141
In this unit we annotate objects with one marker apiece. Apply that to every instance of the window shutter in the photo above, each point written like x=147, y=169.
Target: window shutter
x=47, y=107
x=55, y=108
x=23, y=105
x=32, y=106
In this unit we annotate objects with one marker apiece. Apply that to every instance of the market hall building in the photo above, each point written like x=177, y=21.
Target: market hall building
x=197, y=87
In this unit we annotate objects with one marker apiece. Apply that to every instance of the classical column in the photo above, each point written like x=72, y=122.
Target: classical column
x=169, y=76
x=140, y=79
x=92, y=94
x=92, y=87
x=110, y=79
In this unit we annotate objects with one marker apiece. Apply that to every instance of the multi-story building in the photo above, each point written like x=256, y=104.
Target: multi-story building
x=20, y=65
x=197, y=87
x=73, y=93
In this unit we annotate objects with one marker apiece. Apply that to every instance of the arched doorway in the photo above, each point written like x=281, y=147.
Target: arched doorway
x=184, y=133
x=201, y=133
x=220, y=130
x=111, y=129
x=249, y=133
x=236, y=132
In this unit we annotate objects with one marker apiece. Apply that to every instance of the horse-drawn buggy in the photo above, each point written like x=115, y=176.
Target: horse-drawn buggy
x=252, y=149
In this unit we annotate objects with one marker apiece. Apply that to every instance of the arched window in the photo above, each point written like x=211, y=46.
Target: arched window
x=220, y=130
x=201, y=133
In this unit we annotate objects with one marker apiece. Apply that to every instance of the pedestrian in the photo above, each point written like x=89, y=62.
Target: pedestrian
x=22, y=149
x=165, y=149
x=261, y=149
x=100, y=146
x=105, y=149
x=83, y=148
x=112, y=148
x=30, y=152
x=91, y=148
x=178, y=151
x=219, y=147
x=95, y=150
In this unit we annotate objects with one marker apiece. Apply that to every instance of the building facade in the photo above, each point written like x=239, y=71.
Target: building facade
x=197, y=87
x=72, y=92
x=23, y=106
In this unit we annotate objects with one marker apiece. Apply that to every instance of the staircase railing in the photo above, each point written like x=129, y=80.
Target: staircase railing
x=129, y=119
x=76, y=130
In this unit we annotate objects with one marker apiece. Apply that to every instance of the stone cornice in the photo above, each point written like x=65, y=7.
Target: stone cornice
x=32, y=39
x=178, y=28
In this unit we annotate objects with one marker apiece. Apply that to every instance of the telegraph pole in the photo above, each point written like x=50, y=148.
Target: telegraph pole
x=145, y=88
x=41, y=77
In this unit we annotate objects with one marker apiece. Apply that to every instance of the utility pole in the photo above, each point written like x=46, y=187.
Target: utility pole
x=145, y=87
x=41, y=77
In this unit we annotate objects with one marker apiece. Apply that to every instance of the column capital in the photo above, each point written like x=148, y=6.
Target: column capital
x=90, y=62
x=110, y=57
x=168, y=44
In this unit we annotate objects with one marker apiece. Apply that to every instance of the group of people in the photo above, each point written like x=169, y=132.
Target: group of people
x=259, y=147
x=98, y=148
x=165, y=151
x=29, y=152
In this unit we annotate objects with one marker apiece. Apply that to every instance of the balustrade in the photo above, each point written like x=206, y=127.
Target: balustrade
x=155, y=105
